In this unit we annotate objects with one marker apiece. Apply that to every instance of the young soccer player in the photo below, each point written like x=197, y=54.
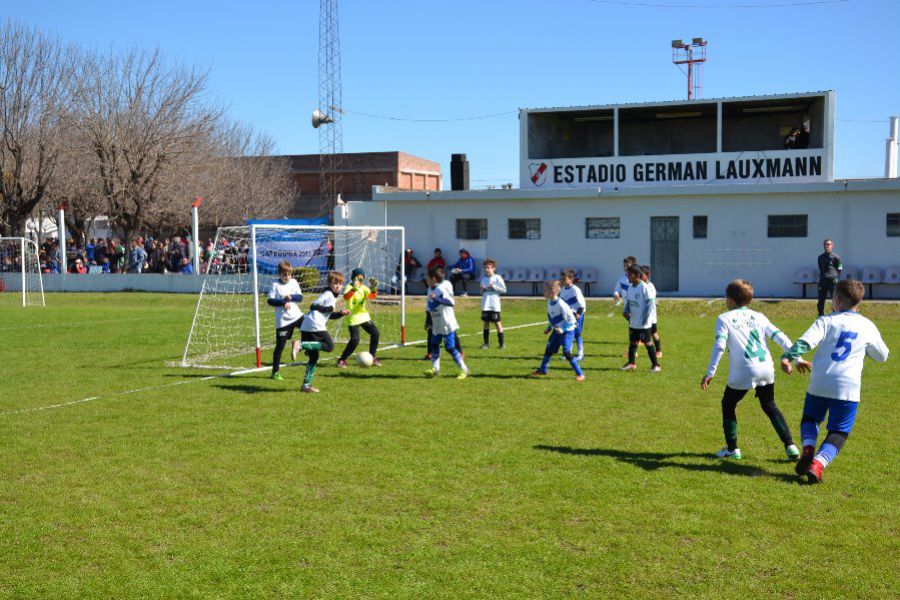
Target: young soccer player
x=492, y=285
x=654, y=330
x=444, y=325
x=314, y=332
x=563, y=324
x=844, y=338
x=743, y=333
x=620, y=292
x=571, y=295
x=285, y=296
x=639, y=310
x=356, y=295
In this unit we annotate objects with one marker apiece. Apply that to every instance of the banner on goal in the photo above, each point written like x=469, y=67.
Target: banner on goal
x=300, y=247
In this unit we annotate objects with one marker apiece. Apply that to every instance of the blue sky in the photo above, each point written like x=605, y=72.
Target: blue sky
x=441, y=59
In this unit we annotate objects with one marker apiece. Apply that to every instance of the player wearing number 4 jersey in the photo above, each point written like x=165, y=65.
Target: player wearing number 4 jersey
x=743, y=333
x=844, y=339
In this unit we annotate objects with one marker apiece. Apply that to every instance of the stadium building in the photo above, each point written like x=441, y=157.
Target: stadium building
x=702, y=190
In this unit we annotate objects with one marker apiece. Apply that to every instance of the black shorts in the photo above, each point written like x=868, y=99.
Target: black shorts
x=318, y=336
x=765, y=393
x=639, y=335
x=287, y=332
x=490, y=316
x=653, y=328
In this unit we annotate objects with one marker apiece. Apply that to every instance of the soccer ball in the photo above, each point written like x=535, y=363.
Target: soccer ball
x=364, y=359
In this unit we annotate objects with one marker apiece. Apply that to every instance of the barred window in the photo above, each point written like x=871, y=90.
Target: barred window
x=893, y=224
x=786, y=226
x=700, y=222
x=471, y=229
x=601, y=228
x=524, y=229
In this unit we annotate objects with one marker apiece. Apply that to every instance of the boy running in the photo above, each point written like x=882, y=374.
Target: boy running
x=844, y=339
x=743, y=333
x=314, y=331
x=492, y=285
x=639, y=311
x=571, y=295
x=356, y=295
x=285, y=296
x=563, y=324
x=444, y=325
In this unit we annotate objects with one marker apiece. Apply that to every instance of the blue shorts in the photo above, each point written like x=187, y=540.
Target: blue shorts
x=560, y=340
x=579, y=326
x=841, y=413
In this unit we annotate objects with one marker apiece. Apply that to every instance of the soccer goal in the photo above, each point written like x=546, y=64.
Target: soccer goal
x=20, y=273
x=233, y=325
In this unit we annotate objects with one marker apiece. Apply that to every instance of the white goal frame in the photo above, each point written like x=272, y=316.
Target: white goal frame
x=25, y=243
x=254, y=227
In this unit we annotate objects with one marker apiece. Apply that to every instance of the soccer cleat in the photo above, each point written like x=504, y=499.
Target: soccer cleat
x=501, y=346
x=376, y=363
x=538, y=373
x=432, y=373
x=579, y=378
x=308, y=389
x=805, y=460
x=277, y=376
x=655, y=369
x=629, y=367
x=462, y=375
x=732, y=454
x=484, y=346
x=427, y=356
x=341, y=364
x=580, y=357
x=792, y=452
x=814, y=472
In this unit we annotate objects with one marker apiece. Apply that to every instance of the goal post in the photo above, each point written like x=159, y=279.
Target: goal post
x=20, y=272
x=233, y=325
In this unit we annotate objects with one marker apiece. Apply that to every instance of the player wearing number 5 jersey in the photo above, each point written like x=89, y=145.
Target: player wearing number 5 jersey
x=844, y=338
x=743, y=332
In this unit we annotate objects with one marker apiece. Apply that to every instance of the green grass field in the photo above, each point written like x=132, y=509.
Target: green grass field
x=389, y=485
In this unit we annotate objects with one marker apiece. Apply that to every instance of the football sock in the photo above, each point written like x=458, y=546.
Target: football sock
x=658, y=344
x=500, y=337
x=809, y=431
x=545, y=362
x=833, y=443
x=778, y=422
x=651, y=352
x=486, y=334
x=730, y=428
x=632, y=353
x=310, y=372
x=575, y=366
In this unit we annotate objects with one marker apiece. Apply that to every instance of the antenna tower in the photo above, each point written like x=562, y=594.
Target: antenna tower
x=331, y=134
x=693, y=55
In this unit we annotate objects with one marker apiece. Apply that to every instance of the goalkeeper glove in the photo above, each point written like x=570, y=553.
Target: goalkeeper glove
x=373, y=283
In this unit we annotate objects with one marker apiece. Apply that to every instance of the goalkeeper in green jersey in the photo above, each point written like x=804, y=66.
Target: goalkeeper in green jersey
x=356, y=296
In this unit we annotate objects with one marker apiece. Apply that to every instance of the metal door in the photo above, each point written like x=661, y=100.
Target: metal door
x=664, y=253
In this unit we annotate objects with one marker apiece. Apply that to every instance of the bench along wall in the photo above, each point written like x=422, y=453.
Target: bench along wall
x=737, y=244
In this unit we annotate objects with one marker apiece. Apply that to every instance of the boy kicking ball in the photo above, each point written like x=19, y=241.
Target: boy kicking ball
x=639, y=311
x=563, y=324
x=443, y=323
x=743, y=333
x=314, y=329
x=844, y=339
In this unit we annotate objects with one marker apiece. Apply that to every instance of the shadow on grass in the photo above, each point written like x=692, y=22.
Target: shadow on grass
x=653, y=461
x=247, y=388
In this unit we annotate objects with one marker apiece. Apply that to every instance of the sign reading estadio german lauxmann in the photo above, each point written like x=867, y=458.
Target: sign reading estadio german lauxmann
x=771, y=166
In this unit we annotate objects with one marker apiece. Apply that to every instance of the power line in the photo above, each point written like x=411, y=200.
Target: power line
x=885, y=120
x=705, y=6
x=444, y=120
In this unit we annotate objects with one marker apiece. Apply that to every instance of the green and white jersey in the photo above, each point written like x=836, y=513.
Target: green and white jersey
x=844, y=339
x=743, y=332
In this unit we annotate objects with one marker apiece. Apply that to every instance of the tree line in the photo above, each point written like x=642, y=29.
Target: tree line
x=125, y=134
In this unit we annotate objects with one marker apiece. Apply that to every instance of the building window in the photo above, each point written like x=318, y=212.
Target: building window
x=700, y=222
x=471, y=229
x=783, y=226
x=893, y=224
x=524, y=229
x=601, y=228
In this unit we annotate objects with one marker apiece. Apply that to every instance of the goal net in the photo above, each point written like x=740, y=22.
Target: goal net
x=233, y=324
x=20, y=273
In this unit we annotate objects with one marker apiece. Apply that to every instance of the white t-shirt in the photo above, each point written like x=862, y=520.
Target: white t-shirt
x=560, y=314
x=573, y=297
x=289, y=292
x=491, y=288
x=640, y=306
x=844, y=339
x=317, y=320
x=443, y=318
x=653, y=292
x=743, y=332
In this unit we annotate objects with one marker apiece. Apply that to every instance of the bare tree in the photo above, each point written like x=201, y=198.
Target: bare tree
x=140, y=117
x=35, y=70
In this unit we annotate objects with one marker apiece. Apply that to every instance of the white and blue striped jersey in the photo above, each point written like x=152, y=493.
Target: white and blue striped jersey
x=640, y=306
x=621, y=289
x=844, y=339
x=440, y=306
x=560, y=315
x=573, y=297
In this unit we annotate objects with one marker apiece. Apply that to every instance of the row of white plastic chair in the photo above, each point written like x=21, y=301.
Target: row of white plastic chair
x=867, y=275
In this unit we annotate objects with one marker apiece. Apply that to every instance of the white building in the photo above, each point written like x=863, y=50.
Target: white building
x=703, y=191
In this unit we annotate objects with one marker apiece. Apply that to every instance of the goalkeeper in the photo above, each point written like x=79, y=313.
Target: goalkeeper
x=356, y=295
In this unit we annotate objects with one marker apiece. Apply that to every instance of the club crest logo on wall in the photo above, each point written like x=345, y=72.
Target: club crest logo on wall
x=538, y=173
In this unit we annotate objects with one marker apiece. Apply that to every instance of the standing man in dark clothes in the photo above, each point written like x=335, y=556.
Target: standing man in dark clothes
x=830, y=267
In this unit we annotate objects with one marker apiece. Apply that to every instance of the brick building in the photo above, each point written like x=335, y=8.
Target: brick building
x=360, y=171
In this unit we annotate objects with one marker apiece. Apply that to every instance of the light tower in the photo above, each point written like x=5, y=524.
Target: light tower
x=693, y=55
x=327, y=119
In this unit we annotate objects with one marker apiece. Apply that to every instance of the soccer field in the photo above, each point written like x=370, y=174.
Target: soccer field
x=121, y=476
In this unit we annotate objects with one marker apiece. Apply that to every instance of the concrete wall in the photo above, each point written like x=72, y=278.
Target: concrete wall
x=854, y=215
